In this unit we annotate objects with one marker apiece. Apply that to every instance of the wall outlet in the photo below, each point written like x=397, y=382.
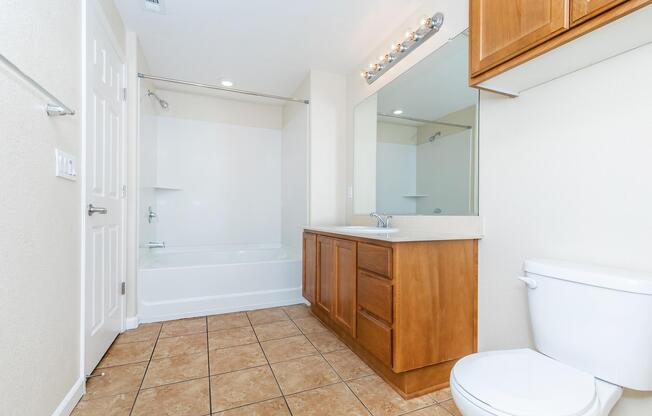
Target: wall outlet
x=65, y=165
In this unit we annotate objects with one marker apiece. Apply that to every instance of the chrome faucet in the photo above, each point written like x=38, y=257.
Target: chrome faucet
x=382, y=222
x=155, y=244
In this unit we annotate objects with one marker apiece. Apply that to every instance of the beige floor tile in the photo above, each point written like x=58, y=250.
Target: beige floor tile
x=326, y=342
x=225, y=360
x=276, y=330
x=119, y=405
x=175, y=369
x=435, y=410
x=441, y=395
x=189, y=398
x=243, y=387
x=382, y=400
x=144, y=332
x=231, y=337
x=298, y=311
x=130, y=353
x=332, y=400
x=274, y=407
x=347, y=364
x=288, y=348
x=266, y=316
x=183, y=327
x=451, y=407
x=227, y=321
x=185, y=344
x=310, y=325
x=303, y=374
x=116, y=380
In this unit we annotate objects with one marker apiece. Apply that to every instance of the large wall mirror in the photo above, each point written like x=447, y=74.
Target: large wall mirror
x=416, y=140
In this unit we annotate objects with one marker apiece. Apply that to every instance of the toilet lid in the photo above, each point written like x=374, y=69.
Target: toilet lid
x=525, y=383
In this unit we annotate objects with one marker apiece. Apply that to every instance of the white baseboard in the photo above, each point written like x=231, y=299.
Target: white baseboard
x=131, y=322
x=69, y=402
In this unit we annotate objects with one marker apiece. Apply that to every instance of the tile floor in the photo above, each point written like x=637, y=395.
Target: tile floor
x=271, y=362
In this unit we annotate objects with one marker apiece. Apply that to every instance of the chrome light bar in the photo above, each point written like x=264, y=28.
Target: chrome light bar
x=413, y=38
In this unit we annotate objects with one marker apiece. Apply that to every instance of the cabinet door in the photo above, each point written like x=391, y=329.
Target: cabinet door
x=501, y=29
x=585, y=9
x=309, y=266
x=345, y=285
x=325, y=273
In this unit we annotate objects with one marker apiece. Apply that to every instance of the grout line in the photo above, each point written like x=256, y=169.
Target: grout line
x=269, y=365
x=146, y=369
x=208, y=359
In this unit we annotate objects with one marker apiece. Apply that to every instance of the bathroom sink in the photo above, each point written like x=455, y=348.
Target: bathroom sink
x=360, y=229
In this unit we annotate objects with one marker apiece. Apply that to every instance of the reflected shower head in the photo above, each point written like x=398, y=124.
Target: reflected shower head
x=164, y=104
x=434, y=137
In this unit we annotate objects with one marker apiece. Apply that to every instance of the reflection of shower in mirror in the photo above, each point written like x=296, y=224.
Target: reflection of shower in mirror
x=434, y=137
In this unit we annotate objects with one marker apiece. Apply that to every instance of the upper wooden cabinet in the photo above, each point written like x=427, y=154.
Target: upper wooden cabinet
x=501, y=29
x=509, y=40
x=585, y=9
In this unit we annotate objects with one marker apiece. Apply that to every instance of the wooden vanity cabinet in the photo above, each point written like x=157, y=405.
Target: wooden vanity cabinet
x=408, y=309
x=505, y=34
x=309, y=282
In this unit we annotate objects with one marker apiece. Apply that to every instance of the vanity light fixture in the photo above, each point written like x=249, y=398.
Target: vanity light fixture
x=413, y=38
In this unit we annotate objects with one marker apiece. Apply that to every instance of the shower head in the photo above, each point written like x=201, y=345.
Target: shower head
x=164, y=104
x=434, y=137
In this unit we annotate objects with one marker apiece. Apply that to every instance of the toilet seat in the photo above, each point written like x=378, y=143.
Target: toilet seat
x=524, y=382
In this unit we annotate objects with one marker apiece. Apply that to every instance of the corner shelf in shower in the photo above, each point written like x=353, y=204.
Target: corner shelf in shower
x=416, y=196
x=166, y=188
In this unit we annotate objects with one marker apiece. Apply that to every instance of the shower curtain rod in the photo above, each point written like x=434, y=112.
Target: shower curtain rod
x=217, y=87
x=419, y=120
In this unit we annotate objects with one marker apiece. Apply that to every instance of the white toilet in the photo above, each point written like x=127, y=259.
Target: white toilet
x=593, y=333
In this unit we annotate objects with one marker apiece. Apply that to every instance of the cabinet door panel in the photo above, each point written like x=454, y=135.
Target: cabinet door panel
x=585, y=9
x=345, y=285
x=501, y=29
x=375, y=337
x=309, y=266
x=325, y=272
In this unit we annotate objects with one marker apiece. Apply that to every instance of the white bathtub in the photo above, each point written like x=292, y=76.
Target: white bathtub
x=184, y=282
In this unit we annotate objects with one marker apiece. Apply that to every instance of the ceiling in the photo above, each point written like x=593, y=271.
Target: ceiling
x=262, y=45
x=433, y=88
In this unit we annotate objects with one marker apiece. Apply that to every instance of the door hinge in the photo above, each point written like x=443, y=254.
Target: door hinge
x=124, y=191
x=123, y=288
x=124, y=94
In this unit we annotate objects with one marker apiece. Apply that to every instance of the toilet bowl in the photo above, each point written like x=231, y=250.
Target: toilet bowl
x=592, y=336
x=524, y=382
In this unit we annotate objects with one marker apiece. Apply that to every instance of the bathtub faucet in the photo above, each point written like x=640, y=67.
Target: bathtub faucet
x=155, y=244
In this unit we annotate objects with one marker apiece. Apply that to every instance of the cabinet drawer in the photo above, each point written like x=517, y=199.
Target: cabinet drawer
x=375, y=337
x=376, y=259
x=375, y=295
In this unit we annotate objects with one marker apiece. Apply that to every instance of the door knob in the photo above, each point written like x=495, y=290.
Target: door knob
x=96, y=210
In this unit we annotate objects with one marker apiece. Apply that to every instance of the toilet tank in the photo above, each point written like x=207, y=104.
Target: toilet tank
x=595, y=319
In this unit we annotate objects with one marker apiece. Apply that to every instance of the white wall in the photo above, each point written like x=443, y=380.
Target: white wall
x=365, y=138
x=39, y=213
x=294, y=169
x=565, y=173
x=229, y=178
x=327, y=148
x=147, y=163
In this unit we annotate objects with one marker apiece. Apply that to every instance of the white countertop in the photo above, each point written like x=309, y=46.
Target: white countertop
x=400, y=236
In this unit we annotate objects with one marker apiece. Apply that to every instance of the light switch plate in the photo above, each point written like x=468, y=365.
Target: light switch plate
x=65, y=165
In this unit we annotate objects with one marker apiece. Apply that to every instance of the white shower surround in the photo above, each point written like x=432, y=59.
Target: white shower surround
x=196, y=281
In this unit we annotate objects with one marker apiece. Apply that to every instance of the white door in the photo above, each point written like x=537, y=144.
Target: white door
x=104, y=178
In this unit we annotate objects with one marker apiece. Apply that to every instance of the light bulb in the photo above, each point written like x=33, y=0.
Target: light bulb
x=397, y=112
x=427, y=22
x=226, y=83
x=398, y=48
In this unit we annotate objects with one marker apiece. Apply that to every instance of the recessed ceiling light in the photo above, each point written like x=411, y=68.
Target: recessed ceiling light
x=397, y=112
x=226, y=83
